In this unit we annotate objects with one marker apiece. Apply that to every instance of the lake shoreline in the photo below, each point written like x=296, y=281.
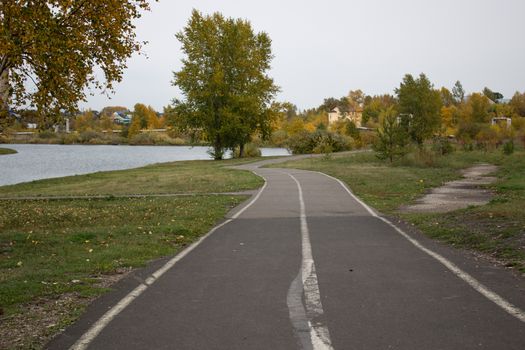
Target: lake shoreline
x=42, y=161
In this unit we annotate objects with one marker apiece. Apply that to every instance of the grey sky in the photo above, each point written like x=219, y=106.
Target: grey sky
x=326, y=48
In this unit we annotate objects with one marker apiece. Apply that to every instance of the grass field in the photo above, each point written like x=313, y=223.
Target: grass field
x=57, y=255
x=176, y=177
x=496, y=229
x=4, y=151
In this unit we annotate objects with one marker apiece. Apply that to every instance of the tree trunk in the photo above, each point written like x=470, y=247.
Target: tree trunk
x=4, y=91
x=241, y=150
x=4, y=99
x=217, y=148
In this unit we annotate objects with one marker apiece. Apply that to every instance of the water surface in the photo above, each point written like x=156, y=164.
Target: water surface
x=35, y=162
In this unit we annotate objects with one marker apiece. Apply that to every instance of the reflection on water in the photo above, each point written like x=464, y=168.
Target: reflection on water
x=34, y=162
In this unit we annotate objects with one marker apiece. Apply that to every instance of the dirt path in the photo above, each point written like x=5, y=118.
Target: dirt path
x=457, y=194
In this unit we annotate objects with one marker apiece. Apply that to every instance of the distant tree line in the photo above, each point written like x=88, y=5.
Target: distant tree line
x=228, y=97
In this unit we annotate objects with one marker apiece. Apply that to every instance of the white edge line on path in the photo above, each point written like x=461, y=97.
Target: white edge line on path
x=102, y=322
x=478, y=286
x=237, y=214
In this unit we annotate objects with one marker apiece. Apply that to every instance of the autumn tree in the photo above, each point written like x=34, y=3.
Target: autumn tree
x=106, y=123
x=447, y=98
x=289, y=109
x=475, y=116
x=109, y=110
x=418, y=99
x=356, y=98
x=518, y=103
x=227, y=91
x=330, y=103
x=450, y=116
x=374, y=106
x=145, y=117
x=477, y=108
x=295, y=126
x=50, y=49
x=134, y=127
x=85, y=121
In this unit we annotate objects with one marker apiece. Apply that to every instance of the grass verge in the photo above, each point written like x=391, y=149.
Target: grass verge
x=57, y=255
x=4, y=151
x=175, y=177
x=496, y=229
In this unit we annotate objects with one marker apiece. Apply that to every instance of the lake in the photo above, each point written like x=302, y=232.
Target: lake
x=35, y=162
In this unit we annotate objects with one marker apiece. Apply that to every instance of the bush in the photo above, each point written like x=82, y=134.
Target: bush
x=125, y=131
x=319, y=141
x=419, y=157
x=508, y=147
x=69, y=139
x=151, y=138
x=487, y=139
x=116, y=139
x=367, y=138
x=164, y=139
x=323, y=147
x=300, y=143
x=442, y=146
x=89, y=136
x=46, y=134
x=250, y=151
x=142, y=139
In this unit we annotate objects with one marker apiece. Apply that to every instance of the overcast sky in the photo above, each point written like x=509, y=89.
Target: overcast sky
x=325, y=48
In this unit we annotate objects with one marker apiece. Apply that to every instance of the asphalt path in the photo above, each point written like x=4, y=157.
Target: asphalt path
x=305, y=265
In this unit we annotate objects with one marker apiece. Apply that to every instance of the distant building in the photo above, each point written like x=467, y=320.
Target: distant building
x=121, y=118
x=501, y=120
x=354, y=115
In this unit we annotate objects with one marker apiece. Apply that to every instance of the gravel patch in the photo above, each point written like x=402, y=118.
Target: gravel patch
x=458, y=194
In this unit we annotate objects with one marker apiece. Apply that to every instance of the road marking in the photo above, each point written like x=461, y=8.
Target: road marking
x=237, y=214
x=319, y=334
x=103, y=321
x=478, y=286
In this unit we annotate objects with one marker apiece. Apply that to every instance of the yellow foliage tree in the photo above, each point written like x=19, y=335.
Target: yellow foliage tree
x=106, y=123
x=295, y=126
x=58, y=45
x=135, y=127
x=85, y=121
x=153, y=119
x=449, y=119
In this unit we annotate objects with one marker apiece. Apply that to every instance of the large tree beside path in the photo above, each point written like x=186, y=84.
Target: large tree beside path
x=52, y=50
x=227, y=91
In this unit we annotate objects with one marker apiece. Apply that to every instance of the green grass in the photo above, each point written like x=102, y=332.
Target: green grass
x=4, y=151
x=176, y=177
x=55, y=248
x=496, y=229
x=45, y=245
x=51, y=249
